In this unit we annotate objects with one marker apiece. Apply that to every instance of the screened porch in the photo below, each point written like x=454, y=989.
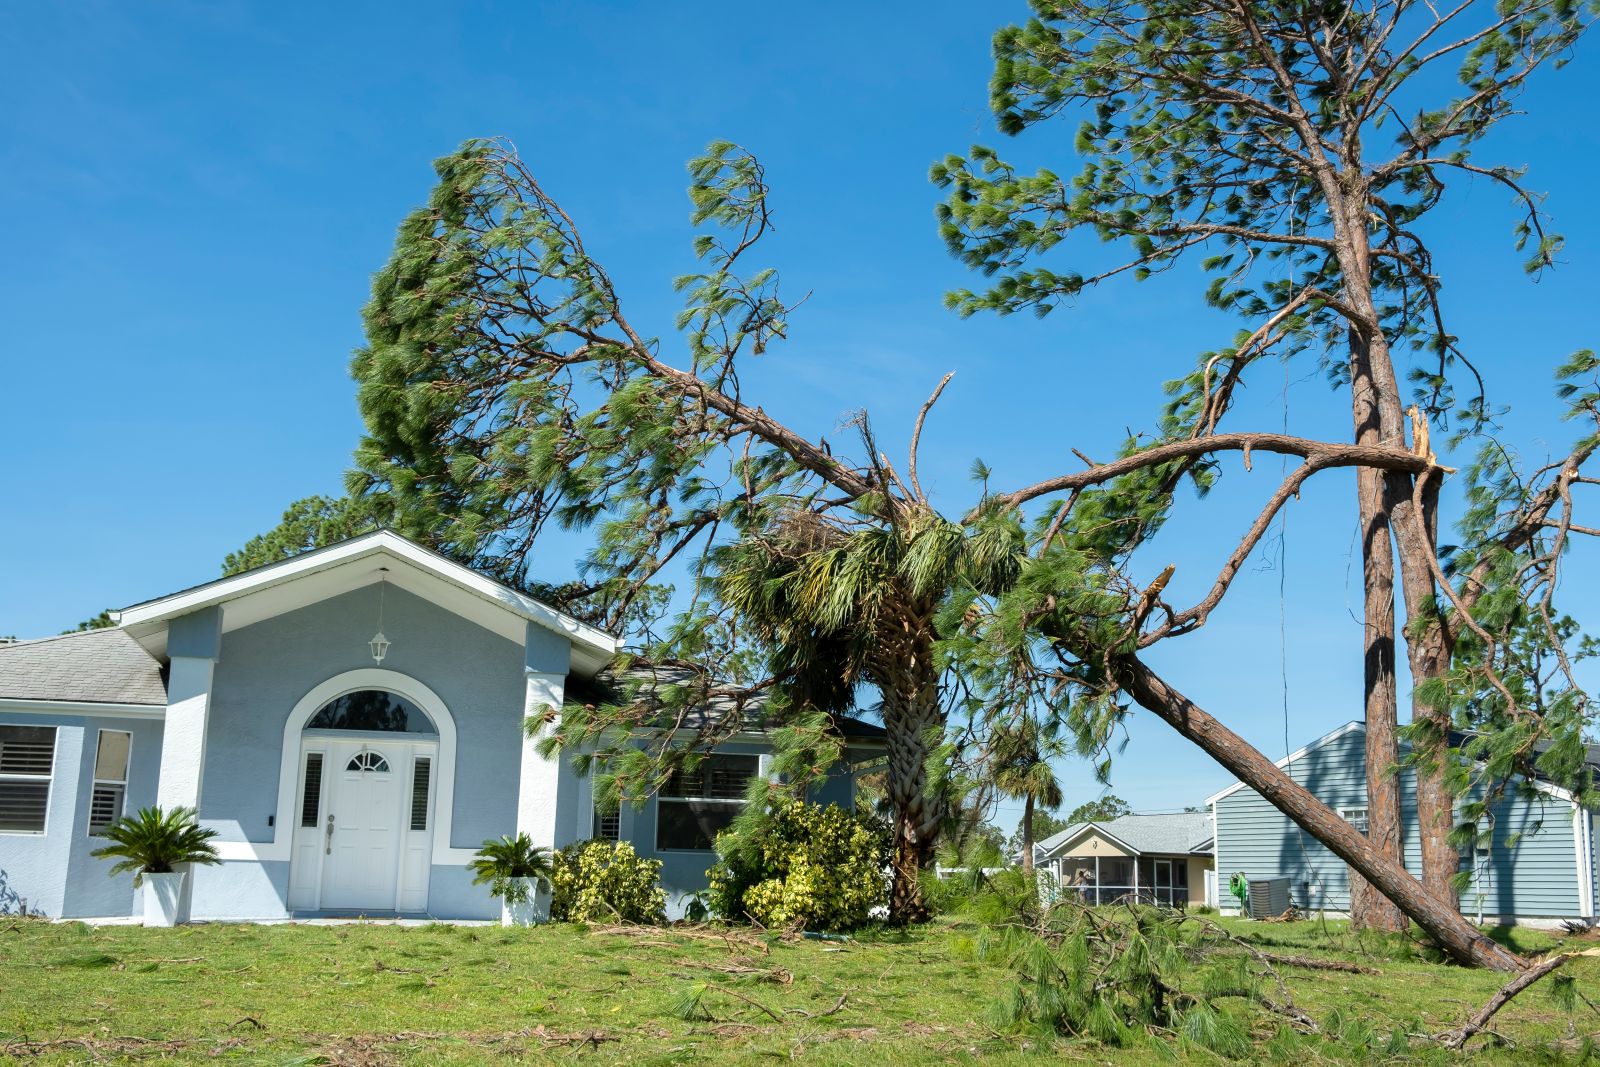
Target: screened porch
x=1116, y=879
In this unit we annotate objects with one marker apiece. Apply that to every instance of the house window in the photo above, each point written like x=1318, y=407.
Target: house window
x=421, y=772
x=694, y=806
x=110, y=779
x=27, y=758
x=607, y=827
x=311, y=798
x=1356, y=817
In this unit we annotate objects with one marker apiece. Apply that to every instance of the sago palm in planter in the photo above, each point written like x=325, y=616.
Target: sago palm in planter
x=157, y=845
x=519, y=873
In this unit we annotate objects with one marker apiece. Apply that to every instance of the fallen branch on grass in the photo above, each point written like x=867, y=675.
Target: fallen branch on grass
x=1312, y=963
x=729, y=938
x=121, y=1045
x=837, y=1007
x=1455, y=1039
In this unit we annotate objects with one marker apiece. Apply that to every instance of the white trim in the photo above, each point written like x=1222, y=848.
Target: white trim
x=1133, y=853
x=1216, y=852
x=280, y=848
x=1583, y=863
x=1589, y=859
x=23, y=706
x=378, y=542
x=1301, y=753
x=1551, y=788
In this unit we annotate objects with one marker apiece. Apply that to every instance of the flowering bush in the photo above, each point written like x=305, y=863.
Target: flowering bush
x=606, y=881
x=817, y=866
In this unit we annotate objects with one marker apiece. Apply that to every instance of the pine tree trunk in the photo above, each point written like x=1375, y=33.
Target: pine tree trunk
x=912, y=717
x=1368, y=403
x=1428, y=653
x=1027, y=834
x=1458, y=938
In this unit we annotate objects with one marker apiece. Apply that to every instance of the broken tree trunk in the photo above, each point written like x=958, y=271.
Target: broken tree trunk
x=1455, y=935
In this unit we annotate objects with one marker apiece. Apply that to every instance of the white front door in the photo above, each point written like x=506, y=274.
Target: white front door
x=361, y=828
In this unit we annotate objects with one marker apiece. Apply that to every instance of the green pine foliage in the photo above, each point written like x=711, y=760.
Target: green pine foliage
x=1513, y=691
x=314, y=522
x=99, y=622
x=1267, y=145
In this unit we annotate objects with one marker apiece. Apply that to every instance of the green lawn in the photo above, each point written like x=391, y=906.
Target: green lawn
x=369, y=994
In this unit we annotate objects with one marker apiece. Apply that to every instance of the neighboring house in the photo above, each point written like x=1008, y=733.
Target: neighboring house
x=1537, y=865
x=337, y=784
x=1161, y=858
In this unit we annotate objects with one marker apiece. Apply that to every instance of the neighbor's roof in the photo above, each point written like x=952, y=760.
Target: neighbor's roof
x=1183, y=833
x=93, y=667
x=611, y=686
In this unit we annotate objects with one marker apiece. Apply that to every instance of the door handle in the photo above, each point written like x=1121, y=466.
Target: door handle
x=327, y=848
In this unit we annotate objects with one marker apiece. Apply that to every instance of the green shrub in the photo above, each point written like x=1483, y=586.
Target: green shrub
x=821, y=867
x=606, y=881
x=506, y=864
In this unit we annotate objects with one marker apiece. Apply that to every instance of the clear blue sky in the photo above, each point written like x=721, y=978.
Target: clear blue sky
x=197, y=194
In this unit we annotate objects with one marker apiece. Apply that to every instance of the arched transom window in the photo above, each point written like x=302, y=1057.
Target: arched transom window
x=368, y=761
x=375, y=710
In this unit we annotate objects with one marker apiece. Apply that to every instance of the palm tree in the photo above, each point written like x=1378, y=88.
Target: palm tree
x=836, y=606
x=505, y=863
x=1020, y=754
x=157, y=842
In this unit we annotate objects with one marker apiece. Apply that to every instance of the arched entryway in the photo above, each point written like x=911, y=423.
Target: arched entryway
x=365, y=807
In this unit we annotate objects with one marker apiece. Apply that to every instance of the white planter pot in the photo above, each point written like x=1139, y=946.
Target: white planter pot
x=163, y=897
x=535, y=909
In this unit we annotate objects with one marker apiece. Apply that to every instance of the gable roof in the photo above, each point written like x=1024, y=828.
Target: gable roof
x=1180, y=833
x=274, y=588
x=93, y=667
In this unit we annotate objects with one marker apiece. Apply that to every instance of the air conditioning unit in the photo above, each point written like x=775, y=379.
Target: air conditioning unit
x=1269, y=897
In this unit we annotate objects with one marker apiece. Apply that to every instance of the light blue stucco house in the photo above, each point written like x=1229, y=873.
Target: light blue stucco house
x=350, y=721
x=1537, y=866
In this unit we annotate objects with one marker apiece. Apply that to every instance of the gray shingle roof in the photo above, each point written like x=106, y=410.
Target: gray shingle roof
x=611, y=686
x=1180, y=834
x=95, y=666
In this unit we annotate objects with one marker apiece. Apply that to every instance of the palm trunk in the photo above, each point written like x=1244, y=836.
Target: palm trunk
x=1458, y=938
x=911, y=718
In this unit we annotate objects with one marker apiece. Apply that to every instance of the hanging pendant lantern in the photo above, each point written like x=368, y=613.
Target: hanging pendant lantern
x=379, y=643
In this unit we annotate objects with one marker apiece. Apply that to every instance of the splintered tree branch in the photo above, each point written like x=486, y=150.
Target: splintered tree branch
x=916, y=437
